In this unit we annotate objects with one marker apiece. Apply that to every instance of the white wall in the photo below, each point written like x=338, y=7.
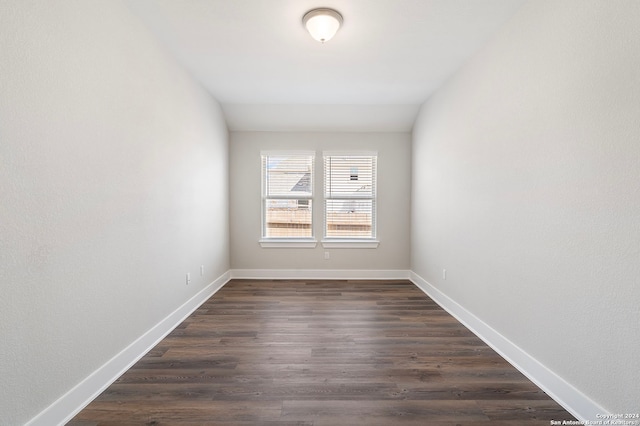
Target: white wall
x=113, y=185
x=393, y=201
x=526, y=188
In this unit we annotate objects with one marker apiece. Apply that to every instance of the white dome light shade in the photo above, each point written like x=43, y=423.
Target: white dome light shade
x=322, y=23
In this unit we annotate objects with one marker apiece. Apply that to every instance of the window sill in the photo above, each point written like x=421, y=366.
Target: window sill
x=346, y=243
x=288, y=242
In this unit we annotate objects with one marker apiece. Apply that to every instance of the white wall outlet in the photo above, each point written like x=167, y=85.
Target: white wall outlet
x=188, y=278
x=444, y=274
x=326, y=255
x=202, y=270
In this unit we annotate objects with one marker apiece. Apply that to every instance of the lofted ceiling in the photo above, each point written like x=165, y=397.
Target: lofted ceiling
x=258, y=61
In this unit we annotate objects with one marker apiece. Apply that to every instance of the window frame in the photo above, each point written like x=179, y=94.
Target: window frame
x=351, y=241
x=288, y=241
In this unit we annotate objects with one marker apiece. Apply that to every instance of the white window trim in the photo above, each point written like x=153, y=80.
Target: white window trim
x=348, y=243
x=287, y=242
x=349, y=153
x=275, y=242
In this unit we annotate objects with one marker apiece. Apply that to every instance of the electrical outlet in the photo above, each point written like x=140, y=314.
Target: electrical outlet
x=202, y=270
x=326, y=255
x=188, y=278
x=444, y=274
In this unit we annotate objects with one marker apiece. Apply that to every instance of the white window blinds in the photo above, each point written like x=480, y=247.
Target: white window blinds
x=350, y=195
x=287, y=192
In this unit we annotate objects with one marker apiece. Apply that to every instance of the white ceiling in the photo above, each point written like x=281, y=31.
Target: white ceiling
x=258, y=61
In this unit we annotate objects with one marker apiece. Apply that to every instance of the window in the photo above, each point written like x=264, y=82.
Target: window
x=287, y=196
x=350, y=197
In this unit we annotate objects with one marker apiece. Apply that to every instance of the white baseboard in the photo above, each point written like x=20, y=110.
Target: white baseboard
x=563, y=393
x=68, y=405
x=86, y=391
x=321, y=274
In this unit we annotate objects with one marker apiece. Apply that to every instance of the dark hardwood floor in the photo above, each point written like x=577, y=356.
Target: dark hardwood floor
x=321, y=353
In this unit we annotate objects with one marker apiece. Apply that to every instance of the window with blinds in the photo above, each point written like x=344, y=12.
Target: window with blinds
x=287, y=192
x=350, y=195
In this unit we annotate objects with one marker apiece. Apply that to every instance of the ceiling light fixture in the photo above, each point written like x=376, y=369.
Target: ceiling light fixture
x=322, y=23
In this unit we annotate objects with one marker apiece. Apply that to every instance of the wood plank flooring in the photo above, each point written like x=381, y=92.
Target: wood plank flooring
x=321, y=353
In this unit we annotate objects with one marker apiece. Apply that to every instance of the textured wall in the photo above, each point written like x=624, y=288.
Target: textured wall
x=393, y=201
x=526, y=188
x=113, y=185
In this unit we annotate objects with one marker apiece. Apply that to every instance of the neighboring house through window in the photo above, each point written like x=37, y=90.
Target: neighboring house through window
x=350, y=197
x=287, y=196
